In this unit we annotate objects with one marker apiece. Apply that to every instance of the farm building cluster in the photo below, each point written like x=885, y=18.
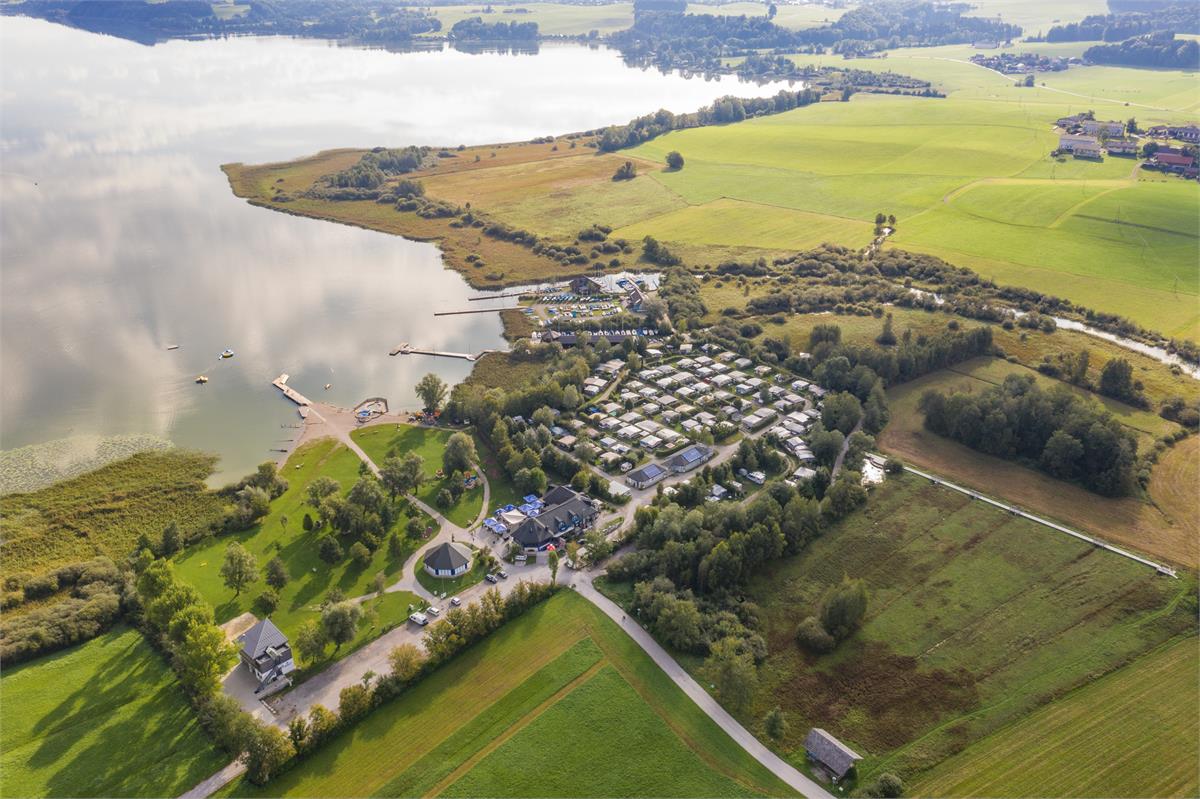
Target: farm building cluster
x=1023, y=63
x=1082, y=136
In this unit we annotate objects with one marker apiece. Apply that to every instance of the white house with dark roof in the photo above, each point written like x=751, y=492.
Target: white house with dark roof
x=449, y=559
x=646, y=476
x=689, y=458
x=266, y=652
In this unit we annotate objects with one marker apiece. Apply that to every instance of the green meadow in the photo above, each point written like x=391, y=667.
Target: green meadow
x=968, y=178
x=382, y=441
x=976, y=618
x=105, y=718
x=1123, y=735
x=311, y=580
x=549, y=705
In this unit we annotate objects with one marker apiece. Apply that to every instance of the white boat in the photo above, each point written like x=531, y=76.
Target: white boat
x=228, y=353
x=202, y=379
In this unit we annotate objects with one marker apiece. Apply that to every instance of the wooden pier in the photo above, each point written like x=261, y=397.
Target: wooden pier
x=408, y=349
x=501, y=296
x=291, y=393
x=480, y=310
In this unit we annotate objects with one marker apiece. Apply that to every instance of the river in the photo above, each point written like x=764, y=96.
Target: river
x=119, y=235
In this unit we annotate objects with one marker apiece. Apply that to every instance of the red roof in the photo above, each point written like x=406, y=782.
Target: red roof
x=1170, y=159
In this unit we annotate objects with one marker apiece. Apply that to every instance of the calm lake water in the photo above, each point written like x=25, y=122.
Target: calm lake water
x=119, y=234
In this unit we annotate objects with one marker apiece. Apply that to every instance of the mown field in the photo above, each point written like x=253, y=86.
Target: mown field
x=1162, y=530
x=1132, y=733
x=105, y=718
x=310, y=579
x=382, y=441
x=976, y=618
x=492, y=723
x=103, y=512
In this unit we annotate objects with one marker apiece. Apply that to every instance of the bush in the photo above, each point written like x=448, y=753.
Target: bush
x=886, y=786
x=674, y=160
x=812, y=637
x=41, y=586
x=360, y=554
x=268, y=600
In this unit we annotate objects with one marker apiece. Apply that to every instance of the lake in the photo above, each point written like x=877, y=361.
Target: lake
x=119, y=235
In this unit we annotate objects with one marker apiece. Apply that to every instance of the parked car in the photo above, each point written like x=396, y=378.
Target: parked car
x=491, y=578
x=433, y=611
x=455, y=601
x=419, y=618
x=521, y=558
x=503, y=574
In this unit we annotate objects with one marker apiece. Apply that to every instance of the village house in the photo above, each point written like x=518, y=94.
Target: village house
x=266, y=652
x=1121, y=146
x=566, y=512
x=1079, y=146
x=690, y=458
x=1096, y=127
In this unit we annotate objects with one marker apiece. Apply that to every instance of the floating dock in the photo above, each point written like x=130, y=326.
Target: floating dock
x=480, y=310
x=291, y=393
x=408, y=349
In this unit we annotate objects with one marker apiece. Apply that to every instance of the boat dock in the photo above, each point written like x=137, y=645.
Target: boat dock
x=289, y=392
x=408, y=349
x=473, y=310
x=500, y=296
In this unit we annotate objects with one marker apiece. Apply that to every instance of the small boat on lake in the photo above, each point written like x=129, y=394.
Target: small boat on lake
x=172, y=346
x=228, y=353
x=202, y=379
x=328, y=386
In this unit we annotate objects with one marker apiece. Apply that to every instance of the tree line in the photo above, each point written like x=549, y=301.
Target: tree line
x=1178, y=17
x=1159, y=50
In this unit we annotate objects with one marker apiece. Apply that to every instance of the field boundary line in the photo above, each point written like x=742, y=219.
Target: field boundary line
x=465, y=767
x=1158, y=567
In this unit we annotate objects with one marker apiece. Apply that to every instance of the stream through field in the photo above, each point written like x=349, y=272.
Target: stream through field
x=119, y=236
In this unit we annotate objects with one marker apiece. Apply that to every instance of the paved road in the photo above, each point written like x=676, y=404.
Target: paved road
x=1162, y=569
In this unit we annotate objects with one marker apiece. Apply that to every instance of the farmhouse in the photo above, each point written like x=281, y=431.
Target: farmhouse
x=646, y=476
x=1094, y=127
x=448, y=559
x=266, y=652
x=1121, y=146
x=829, y=754
x=1079, y=146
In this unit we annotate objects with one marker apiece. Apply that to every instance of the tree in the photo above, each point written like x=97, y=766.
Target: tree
x=886, y=337
x=406, y=660
x=841, y=411
x=276, y=574
x=459, y=454
x=674, y=160
x=731, y=669
x=771, y=11
x=267, y=751
x=310, y=641
x=172, y=540
x=380, y=582
x=329, y=550
x=321, y=488
x=844, y=609
x=886, y=786
x=552, y=561
x=203, y=657
x=340, y=622
x=239, y=567
x=1116, y=380
x=398, y=476
x=432, y=391
x=360, y=554
x=625, y=171
x=678, y=623
x=775, y=724
x=307, y=524
x=1062, y=454
x=813, y=637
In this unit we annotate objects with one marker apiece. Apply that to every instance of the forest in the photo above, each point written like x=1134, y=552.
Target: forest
x=1159, y=50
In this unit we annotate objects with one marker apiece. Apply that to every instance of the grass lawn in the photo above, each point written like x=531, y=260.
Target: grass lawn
x=381, y=441
x=1132, y=733
x=1161, y=530
x=976, y=619
x=105, y=718
x=449, y=585
x=311, y=579
x=104, y=511
x=457, y=732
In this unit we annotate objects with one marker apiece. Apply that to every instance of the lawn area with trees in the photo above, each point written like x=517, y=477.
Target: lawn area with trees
x=382, y=441
x=500, y=699
x=285, y=564
x=105, y=718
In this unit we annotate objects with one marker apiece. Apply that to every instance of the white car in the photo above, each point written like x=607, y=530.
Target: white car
x=433, y=611
x=455, y=601
x=419, y=618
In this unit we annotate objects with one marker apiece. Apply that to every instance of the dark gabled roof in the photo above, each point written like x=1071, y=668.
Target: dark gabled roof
x=532, y=533
x=567, y=514
x=558, y=495
x=647, y=472
x=262, y=635
x=830, y=752
x=446, y=557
